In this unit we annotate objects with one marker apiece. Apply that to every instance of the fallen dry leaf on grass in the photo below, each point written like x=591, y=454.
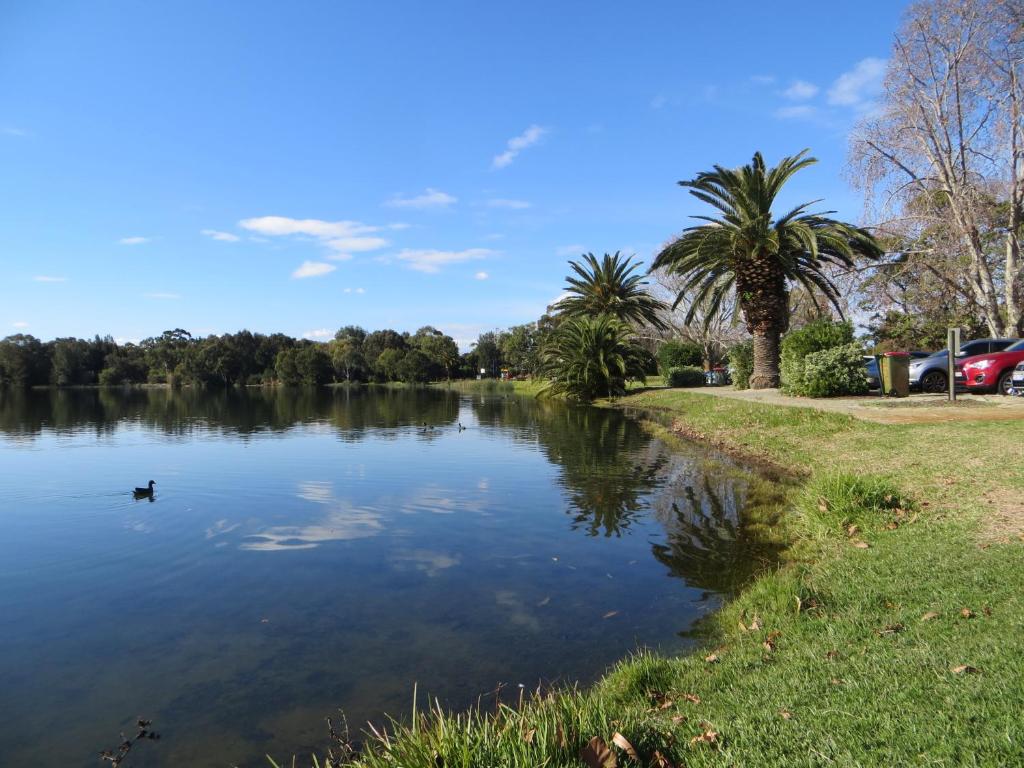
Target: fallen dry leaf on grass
x=852, y=530
x=693, y=698
x=658, y=760
x=833, y=654
x=837, y=681
x=891, y=629
x=965, y=669
x=711, y=658
x=528, y=736
x=929, y=616
x=622, y=743
x=785, y=714
x=755, y=624
x=769, y=642
x=860, y=544
x=708, y=737
x=967, y=613
x=597, y=754
x=677, y=719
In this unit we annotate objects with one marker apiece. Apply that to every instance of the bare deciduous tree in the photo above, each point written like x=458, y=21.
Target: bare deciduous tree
x=944, y=152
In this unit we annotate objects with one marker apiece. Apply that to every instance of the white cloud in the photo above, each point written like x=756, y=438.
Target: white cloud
x=859, y=86
x=398, y=225
x=165, y=296
x=277, y=226
x=432, y=198
x=355, y=290
x=481, y=275
x=224, y=237
x=345, y=244
x=49, y=279
x=571, y=250
x=800, y=90
x=511, y=205
x=801, y=111
x=431, y=261
x=135, y=240
x=20, y=324
x=10, y=130
x=313, y=269
x=319, y=333
x=342, y=237
x=517, y=144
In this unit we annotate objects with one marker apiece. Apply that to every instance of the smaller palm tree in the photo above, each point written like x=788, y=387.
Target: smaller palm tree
x=589, y=357
x=609, y=286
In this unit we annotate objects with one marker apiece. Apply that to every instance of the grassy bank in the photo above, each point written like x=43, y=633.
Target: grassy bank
x=892, y=635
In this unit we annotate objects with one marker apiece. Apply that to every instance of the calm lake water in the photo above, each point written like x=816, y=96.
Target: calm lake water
x=314, y=550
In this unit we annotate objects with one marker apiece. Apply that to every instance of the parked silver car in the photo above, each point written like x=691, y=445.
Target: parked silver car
x=930, y=374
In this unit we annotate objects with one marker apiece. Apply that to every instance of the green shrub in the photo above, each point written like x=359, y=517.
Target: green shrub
x=832, y=372
x=676, y=354
x=685, y=376
x=798, y=344
x=741, y=364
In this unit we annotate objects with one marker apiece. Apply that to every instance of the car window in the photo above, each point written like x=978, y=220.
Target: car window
x=973, y=348
x=1017, y=347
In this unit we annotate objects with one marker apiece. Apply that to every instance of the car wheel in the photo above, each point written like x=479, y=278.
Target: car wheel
x=1005, y=382
x=933, y=382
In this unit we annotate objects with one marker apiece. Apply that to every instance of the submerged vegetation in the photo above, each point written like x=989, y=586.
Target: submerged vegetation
x=891, y=635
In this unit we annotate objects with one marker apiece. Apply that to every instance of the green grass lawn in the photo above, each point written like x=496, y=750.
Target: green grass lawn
x=892, y=634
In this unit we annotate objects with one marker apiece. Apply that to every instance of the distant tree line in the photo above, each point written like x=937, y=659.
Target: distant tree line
x=177, y=358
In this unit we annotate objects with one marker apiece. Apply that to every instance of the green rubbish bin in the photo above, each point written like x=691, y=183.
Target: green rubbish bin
x=894, y=373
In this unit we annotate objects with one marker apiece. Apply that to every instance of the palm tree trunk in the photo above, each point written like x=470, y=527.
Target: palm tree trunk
x=766, y=357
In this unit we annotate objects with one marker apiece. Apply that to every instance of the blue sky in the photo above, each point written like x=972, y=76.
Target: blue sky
x=300, y=166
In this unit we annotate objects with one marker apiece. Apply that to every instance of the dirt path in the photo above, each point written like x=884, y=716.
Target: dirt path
x=916, y=409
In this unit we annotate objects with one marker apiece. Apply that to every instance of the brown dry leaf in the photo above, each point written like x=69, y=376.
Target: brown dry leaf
x=987, y=610
x=711, y=658
x=891, y=629
x=677, y=719
x=833, y=654
x=610, y=614
x=852, y=530
x=658, y=760
x=965, y=669
x=622, y=743
x=708, y=737
x=597, y=754
x=528, y=736
x=560, y=737
x=666, y=703
x=822, y=504
x=693, y=698
x=967, y=613
x=860, y=544
x=785, y=714
x=930, y=615
x=892, y=525
x=769, y=642
x=837, y=681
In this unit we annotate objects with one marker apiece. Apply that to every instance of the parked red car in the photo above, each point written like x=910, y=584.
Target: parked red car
x=992, y=372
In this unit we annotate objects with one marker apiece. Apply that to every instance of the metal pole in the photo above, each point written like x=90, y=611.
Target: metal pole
x=953, y=345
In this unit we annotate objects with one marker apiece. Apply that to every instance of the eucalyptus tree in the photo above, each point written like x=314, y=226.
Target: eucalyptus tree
x=747, y=251
x=611, y=286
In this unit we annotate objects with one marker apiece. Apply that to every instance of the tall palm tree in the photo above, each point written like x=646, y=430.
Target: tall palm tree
x=747, y=250
x=610, y=287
